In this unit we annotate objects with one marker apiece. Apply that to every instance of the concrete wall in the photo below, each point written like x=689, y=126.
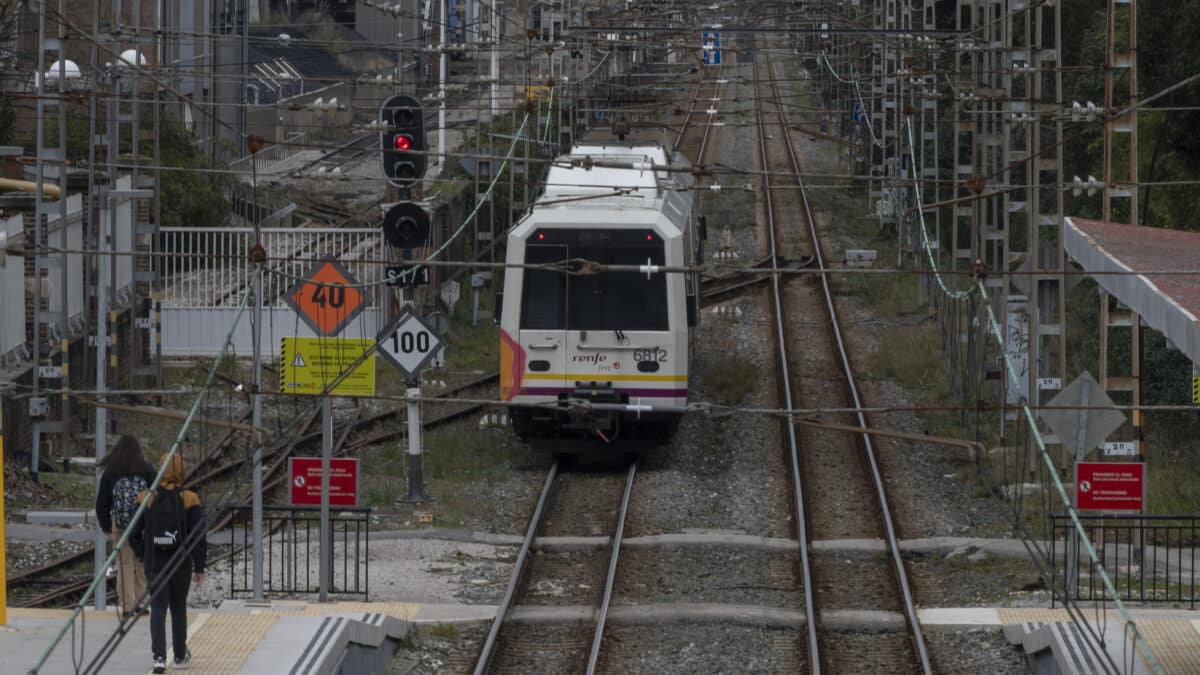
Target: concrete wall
x=75, y=295
x=12, y=291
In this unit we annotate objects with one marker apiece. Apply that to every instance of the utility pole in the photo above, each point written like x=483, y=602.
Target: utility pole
x=258, y=256
x=325, y=564
x=443, y=66
x=494, y=72
x=1120, y=195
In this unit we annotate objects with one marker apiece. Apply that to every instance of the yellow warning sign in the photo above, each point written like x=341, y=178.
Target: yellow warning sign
x=308, y=365
x=1196, y=389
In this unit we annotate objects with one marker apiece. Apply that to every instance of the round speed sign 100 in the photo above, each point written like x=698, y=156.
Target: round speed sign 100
x=409, y=343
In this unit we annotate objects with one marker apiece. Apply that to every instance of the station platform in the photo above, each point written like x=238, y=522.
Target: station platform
x=285, y=637
x=360, y=637
x=1152, y=270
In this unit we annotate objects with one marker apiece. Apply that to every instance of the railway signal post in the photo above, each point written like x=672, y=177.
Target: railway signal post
x=409, y=343
x=402, y=142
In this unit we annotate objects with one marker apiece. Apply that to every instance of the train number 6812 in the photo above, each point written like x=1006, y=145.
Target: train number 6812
x=655, y=354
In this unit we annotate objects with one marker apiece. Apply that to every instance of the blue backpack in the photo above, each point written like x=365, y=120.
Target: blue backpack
x=124, y=504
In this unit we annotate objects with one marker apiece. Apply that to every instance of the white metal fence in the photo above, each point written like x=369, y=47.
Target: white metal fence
x=75, y=296
x=210, y=269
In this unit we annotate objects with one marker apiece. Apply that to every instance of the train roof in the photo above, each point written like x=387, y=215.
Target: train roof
x=641, y=188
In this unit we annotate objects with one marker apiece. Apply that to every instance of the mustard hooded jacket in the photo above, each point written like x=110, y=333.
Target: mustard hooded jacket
x=155, y=558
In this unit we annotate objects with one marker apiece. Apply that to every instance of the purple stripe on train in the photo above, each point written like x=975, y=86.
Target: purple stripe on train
x=644, y=393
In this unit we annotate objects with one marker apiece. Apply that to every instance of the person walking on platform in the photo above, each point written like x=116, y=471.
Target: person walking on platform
x=170, y=540
x=126, y=474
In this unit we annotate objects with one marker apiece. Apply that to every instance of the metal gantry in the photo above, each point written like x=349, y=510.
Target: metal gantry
x=1120, y=194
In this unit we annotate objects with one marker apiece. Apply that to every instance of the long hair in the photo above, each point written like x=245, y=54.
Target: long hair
x=125, y=458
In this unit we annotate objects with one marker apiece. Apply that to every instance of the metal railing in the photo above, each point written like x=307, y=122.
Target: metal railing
x=291, y=552
x=1150, y=559
x=209, y=267
x=269, y=158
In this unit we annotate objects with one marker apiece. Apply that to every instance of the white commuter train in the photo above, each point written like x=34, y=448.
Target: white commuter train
x=601, y=356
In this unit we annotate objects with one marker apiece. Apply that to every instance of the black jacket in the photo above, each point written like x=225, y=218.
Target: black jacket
x=104, y=495
x=193, y=513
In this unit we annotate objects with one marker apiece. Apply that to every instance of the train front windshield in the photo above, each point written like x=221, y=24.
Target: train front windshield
x=625, y=301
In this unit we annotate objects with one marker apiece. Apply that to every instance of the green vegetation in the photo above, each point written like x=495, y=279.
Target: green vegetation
x=441, y=630
x=472, y=348
x=8, y=118
x=731, y=380
x=77, y=137
x=193, y=196
x=73, y=490
x=459, y=467
x=1169, y=147
x=193, y=188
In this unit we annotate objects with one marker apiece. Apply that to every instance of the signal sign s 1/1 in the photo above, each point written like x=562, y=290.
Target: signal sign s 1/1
x=412, y=276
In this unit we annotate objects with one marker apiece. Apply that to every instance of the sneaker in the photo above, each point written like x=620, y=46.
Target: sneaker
x=160, y=665
x=182, y=664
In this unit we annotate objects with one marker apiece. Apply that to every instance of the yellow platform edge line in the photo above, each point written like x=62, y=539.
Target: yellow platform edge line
x=227, y=641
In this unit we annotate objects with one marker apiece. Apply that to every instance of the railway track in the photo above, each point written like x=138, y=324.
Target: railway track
x=222, y=461
x=844, y=466
x=571, y=504
x=529, y=626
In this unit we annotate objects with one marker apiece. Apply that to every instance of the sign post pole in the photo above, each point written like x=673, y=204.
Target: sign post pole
x=256, y=417
x=416, y=478
x=326, y=566
x=1071, y=571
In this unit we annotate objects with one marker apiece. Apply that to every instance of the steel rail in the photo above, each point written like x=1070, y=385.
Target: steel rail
x=708, y=125
x=287, y=447
x=688, y=118
x=489, y=644
x=691, y=111
x=814, y=658
x=618, y=535
x=843, y=357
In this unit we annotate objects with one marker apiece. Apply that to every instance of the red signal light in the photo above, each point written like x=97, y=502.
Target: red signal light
x=649, y=237
x=541, y=235
x=403, y=142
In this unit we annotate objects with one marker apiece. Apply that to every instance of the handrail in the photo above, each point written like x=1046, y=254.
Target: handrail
x=166, y=462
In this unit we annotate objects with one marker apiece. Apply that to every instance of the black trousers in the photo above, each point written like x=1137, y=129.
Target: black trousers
x=172, y=595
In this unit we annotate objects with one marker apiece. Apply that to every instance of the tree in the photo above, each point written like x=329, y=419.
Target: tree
x=193, y=188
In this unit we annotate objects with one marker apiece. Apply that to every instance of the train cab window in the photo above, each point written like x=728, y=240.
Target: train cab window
x=544, y=296
x=619, y=300
x=626, y=301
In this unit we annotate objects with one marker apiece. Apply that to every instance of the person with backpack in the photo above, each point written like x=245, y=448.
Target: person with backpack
x=170, y=539
x=126, y=474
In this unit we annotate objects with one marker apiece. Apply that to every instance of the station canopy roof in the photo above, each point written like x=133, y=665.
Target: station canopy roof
x=1152, y=270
